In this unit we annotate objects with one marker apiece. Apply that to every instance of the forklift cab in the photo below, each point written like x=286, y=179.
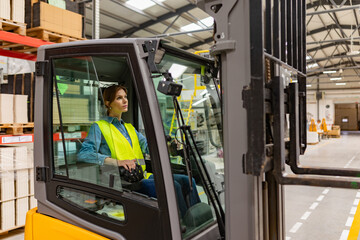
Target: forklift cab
x=75, y=186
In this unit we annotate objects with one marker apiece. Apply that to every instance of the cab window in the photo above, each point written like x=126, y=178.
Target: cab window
x=84, y=133
x=201, y=110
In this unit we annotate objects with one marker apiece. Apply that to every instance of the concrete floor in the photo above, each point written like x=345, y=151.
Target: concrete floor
x=314, y=213
x=319, y=213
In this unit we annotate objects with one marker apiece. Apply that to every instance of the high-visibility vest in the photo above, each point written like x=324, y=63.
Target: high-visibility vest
x=119, y=146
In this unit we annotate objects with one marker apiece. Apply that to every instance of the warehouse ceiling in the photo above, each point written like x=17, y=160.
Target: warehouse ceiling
x=333, y=33
x=178, y=21
x=333, y=39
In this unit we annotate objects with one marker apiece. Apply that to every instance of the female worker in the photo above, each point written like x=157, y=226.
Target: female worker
x=111, y=141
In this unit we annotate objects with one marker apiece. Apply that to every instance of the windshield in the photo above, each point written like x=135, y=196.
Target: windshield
x=201, y=109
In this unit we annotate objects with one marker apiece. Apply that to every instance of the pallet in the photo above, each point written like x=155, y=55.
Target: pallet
x=17, y=128
x=50, y=36
x=10, y=25
x=5, y=232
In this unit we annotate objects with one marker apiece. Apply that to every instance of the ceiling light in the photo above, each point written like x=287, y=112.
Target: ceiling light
x=308, y=57
x=190, y=27
x=141, y=4
x=335, y=78
x=312, y=65
x=340, y=84
x=209, y=21
x=177, y=70
x=332, y=71
x=308, y=85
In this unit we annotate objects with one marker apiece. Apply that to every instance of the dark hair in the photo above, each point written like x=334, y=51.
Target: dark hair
x=110, y=94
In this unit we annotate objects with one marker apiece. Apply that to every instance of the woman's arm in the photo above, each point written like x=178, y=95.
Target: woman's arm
x=143, y=143
x=90, y=149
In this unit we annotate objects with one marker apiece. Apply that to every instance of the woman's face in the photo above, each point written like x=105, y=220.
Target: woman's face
x=120, y=104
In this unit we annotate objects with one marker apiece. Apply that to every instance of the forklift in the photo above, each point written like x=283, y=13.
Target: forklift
x=230, y=123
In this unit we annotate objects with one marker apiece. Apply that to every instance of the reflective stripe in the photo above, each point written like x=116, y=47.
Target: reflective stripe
x=119, y=146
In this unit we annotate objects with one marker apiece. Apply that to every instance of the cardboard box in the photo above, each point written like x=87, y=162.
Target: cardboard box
x=32, y=202
x=6, y=158
x=7, y=211
x=21, y=208
x=18, y=10
x=20, y=109
x=5, y=9
x=71, y=113
x=22, y=183
x=21, y=158
x=57, y=20
x=6, y=106
x=7, y=189
x=335, y=127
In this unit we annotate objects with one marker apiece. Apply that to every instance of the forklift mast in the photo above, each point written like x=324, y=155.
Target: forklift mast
x=215, y=134
x=261, y=48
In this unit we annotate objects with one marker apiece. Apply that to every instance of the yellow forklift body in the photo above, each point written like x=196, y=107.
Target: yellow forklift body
x=42, y=227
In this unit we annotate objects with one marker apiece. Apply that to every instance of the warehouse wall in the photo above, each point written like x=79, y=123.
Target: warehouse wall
x=326, y=110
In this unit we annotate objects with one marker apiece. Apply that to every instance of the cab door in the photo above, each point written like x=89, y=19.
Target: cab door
x=73, y=181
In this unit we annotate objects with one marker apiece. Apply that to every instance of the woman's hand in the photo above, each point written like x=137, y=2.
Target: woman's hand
x=127, y=164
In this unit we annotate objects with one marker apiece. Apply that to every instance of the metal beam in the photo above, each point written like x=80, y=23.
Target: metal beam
x=135, y=10
x=333, y=57
x=158, y=20
x=327, y=46
x=116, y=17
x=334, y=40
x=106, y=27
x=326, y=28
x=333, y=10
x=334, y=67
x=196, y=44
x=182, y=33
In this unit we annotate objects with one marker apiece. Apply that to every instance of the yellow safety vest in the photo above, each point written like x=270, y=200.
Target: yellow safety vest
x=120, y=147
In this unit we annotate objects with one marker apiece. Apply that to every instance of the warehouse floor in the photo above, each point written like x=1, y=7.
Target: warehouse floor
x=314, y=213
x=17, y=234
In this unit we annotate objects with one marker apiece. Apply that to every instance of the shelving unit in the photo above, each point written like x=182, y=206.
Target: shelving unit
x=19, y=46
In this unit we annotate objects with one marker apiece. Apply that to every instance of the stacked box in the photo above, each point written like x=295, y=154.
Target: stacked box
x=21, y=158
x=21, y=208
x=7, y=190
x=20, y=109
x=6, y=158
x=22, y=183
x=5, y=9
x=6, y=103
x=18, y=10
x=57, y=20
x=32, y=202
x=71, y=113
x=7, y=215
x=23, y=84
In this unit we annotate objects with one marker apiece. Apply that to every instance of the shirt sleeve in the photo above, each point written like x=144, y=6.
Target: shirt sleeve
x=89, y=151
x=142, y=142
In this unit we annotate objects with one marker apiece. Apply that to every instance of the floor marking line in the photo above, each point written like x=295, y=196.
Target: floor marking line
x=295, y=227
x=349, y=221
x=320, y=198
x=356, y=201
x=344, y=235
x=314, y=205
x=350, y=161
x=358, y=194
x=305, y=215
x=326, y=191
x=355, y=226
x=353, y=210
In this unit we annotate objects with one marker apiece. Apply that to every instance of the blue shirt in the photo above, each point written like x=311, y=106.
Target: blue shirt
x=95, y=148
